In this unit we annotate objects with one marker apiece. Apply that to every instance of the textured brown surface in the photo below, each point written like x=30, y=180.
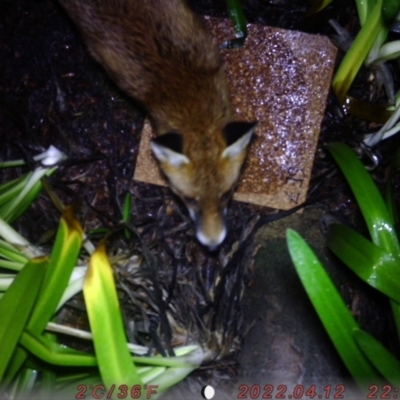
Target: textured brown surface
x=281, y=79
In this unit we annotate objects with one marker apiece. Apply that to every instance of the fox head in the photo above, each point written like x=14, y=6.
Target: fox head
x=204, y=174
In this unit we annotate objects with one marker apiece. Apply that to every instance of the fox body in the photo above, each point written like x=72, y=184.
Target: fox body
x=158, y=52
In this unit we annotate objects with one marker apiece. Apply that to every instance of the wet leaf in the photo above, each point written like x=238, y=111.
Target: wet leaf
x=379, y=220
x=384, y=361
x=114, y=360
x=16, y=306
x=358, y=52
x=331, y=309
x=371, y=263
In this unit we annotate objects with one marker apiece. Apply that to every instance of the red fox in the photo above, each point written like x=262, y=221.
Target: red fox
x=159, y=53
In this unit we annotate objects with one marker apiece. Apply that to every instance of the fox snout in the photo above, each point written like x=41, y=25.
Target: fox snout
x=213, y=241
x=210, y=228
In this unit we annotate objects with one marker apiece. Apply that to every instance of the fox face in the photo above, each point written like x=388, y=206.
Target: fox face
x=205, y=179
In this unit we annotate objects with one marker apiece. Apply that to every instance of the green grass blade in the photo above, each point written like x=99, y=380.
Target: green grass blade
x=75, y=378
x=126, y=215
x=68, y=388
x=13, y=163
x=389, y=51
x=10, y=235
x=47, y=384
x=181, y=368
x=74, y=286
x=364, y=7
x=390, y=9
x=62, y=262
x=24, y=383
x=16, y=306
x=150, y=374
x=5, y=281
x=22, y=194
x=127, y=208
x=11, y=253
x=317, y=6
x=53, y=353
x=358, y=52
x=45, y=389
x=10, y=189
x=390, y=192
x=195, y=358
x=383, y=360
x=238, y=18
x=115, y=362
x=21, y=200
x=372, y=205
x=396, y=315
x=167, y=379
x=14, y=367
x=370, y=262
x=18, y=209
x=331, y=309
x=11, y=265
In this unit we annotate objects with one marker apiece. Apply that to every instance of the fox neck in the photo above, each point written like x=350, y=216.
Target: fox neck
x=188, y=115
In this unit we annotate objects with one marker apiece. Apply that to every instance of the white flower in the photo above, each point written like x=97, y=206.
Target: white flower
x=50, y=157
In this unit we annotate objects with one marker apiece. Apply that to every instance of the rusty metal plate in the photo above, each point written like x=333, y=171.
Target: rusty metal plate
x=281, y=79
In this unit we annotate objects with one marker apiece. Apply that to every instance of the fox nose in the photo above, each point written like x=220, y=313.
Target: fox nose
x=211, y=241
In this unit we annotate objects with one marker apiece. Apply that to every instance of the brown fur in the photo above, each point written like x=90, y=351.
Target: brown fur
x=158, y=52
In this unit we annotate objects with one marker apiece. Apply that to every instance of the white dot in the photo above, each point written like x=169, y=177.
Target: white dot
x=208, y=392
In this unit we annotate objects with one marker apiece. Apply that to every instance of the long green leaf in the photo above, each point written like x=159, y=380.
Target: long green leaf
x=371, y=263
x=16, y=306
x=389, y=51
x=177, y=373
x=390, y=192
x=238, y=18
x=373, y=207
x=23, y=199
x=11, y=253
x=69, y=387
x=22, y=387
x=390, y=9
x=115, y=362
x=13, y=266
x=53, y=353
x=396, y=315
x=62, y=262
x=358, y=52
x=11, y=235
x=167, y=379
x=317, y=6
x=383, y=360
x=10, y=189
x=24, y=204
x=126, y=214
x=195, y=358
x=364, y=8
x=336, y=318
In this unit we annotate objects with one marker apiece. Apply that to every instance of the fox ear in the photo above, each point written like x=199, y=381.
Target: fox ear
x=169, y=148
x=237, y=136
